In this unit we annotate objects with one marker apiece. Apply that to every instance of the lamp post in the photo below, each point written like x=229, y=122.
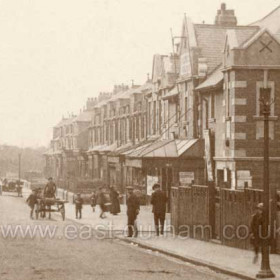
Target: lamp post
x=265, y=271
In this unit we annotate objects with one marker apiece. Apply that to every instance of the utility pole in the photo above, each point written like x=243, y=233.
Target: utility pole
x=265, y=271
x=19, y=166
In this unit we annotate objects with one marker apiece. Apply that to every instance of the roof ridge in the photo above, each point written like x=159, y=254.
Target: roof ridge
x=226, y=27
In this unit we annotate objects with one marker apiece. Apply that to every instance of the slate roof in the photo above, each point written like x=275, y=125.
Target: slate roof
x=145, y=87
x=211, y=40
x=270, y=21
x=65, y=121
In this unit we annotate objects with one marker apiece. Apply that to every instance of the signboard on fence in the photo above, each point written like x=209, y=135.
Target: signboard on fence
x=151, y=180
x=186, y=178
x=208, y=155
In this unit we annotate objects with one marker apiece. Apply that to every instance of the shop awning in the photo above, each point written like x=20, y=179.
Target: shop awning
x=103, y=148
x=214, y=80
x=171, y=94
x=136, y=151
x=173, y=149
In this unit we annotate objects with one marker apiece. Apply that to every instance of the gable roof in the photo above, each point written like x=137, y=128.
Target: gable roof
x=211, y=38
x=256, y=36
x=164, y=67
x=270, y=21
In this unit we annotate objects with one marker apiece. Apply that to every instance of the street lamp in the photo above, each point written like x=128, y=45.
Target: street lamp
x=265, y=271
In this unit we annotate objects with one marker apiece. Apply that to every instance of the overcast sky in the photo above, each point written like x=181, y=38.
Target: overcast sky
x=56, y=53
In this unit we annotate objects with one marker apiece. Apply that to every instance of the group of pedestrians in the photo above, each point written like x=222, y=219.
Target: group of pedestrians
x=158, y=201
x=109, y=202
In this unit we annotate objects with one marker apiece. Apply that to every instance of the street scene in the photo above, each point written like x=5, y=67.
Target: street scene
x=56, y=257
x=140, y=140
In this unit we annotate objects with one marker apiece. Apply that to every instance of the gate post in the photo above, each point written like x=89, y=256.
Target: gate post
x=212, y=210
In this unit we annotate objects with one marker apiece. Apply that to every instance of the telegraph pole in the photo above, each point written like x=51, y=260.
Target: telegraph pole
x=265, y=271
x=19, y=166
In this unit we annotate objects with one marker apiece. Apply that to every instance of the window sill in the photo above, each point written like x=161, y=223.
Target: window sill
x=261, y=118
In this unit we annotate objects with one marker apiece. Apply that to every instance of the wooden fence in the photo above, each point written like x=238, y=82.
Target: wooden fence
x=237, y=208
x=224, y=215
x=190, y=211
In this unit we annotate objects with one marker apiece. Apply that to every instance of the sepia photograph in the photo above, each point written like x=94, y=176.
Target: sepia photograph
x=139, y=139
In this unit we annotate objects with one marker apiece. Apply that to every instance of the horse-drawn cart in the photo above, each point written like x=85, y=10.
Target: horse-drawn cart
x=48, y=205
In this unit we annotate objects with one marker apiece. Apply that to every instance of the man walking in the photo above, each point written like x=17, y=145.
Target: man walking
x=256, y=231
x=133, y=208
x=158, y=200
x=79, y=205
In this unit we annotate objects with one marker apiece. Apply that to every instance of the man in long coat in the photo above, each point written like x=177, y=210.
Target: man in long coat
x=256, y=231
x=158, y=200
x=115, y=206
x=133, y=208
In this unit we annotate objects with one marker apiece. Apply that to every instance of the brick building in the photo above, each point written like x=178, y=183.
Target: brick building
x=197, y=119
x=66, y=160
x=229, y=105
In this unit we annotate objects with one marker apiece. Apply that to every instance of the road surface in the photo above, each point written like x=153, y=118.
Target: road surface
x=71, y=251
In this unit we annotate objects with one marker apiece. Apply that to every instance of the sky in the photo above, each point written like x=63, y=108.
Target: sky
x=54, y=54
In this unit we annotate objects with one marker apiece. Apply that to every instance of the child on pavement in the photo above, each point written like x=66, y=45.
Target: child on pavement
x=32, y=200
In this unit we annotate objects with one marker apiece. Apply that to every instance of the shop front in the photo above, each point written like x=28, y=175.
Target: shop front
x=167, y=162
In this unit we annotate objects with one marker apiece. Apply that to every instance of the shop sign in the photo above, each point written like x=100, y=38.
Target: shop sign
x=137, y=163
x=151, y=180
x=186, y=178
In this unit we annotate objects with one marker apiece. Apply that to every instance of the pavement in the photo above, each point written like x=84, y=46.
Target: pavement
x=224, y=259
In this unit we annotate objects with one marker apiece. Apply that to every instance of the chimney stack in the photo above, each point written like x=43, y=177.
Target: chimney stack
x=225, y=17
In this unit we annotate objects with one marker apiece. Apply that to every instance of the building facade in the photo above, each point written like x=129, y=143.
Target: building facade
x=197, y=120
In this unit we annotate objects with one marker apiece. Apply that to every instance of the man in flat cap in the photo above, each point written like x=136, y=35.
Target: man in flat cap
x=133, y=208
